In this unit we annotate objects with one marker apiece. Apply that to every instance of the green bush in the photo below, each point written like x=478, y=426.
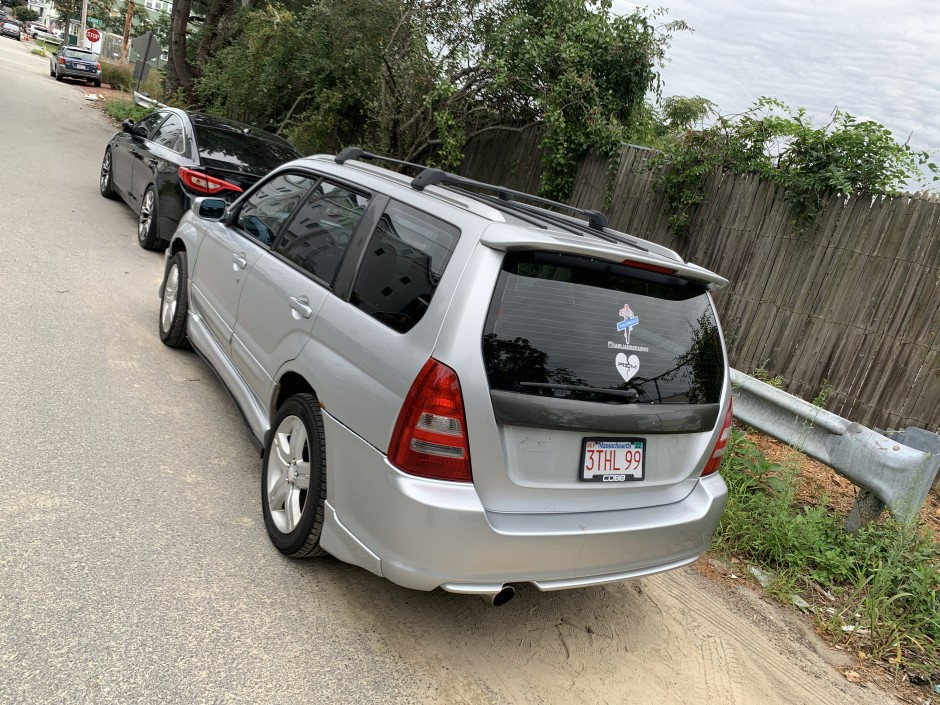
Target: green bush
x=25, y=14
x=118, y=76
x=121, y=109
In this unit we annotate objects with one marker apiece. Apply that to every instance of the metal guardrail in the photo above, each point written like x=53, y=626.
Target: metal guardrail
x=895, y=474
x=145, y=101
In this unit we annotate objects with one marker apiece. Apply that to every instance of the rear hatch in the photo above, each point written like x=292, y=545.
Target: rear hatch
x=606, y=380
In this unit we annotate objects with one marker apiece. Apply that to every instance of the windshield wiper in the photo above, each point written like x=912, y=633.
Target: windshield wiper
x=628, y=394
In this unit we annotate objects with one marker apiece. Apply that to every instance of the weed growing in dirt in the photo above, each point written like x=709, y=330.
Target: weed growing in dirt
x=121, y=109
x=877, y=589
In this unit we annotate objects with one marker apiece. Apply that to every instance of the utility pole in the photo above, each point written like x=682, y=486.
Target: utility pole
x=125, y=45
x=80, y=39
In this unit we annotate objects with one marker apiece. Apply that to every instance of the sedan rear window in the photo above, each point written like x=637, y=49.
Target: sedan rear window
x=237, y=151
x=577, y=328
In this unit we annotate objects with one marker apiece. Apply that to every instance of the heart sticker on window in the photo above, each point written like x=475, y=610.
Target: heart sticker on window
x=627, y=366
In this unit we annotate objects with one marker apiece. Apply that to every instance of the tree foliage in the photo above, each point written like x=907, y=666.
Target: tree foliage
x=809, y=162
x=25, y=14
x=418, y=79
x=114, y=21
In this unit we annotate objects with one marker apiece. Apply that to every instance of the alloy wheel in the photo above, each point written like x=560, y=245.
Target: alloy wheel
x=170, y=297
x=288, y=476
x=105, y=170
x=146, y=216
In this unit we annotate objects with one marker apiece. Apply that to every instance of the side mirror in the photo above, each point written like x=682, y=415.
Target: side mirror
x=209, y=208
x=128, y=126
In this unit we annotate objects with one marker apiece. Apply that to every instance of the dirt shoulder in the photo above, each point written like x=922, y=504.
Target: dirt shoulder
x=676, y=638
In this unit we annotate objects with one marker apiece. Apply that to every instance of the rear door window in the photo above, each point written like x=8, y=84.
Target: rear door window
x=402, y=265
x=576, y=328
x=316, y=238
x=169, y=133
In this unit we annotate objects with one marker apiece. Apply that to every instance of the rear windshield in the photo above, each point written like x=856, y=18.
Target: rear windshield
x=230, y=149
x=79, y=54
x=577, y=328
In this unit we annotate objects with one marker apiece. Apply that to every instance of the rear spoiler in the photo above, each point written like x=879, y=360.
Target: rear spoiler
x=513, y=240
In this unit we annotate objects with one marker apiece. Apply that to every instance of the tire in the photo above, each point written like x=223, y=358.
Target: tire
x=174, y=305
x=293, y=514
x=51, y=70
x=97, y=84
x=106, y=180
x=57, y=76
x=147, y=236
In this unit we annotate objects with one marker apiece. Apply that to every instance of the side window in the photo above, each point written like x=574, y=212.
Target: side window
x=266, y=210
x=148, y=122
x=169, y=133
x=317, y=236
x=402, y=265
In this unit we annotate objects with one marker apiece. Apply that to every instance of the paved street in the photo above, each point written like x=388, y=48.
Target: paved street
x=134, y=564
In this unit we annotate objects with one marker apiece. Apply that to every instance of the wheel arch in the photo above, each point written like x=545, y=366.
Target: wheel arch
x=289, y=384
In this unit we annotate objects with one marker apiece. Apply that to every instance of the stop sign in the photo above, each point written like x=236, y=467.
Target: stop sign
x=93, y=34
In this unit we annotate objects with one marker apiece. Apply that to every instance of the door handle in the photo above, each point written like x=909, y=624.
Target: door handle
x=300, y=305
x=240, y=261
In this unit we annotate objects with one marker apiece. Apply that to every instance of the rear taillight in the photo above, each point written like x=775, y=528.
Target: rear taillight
x=98, y=66
x=715, y=460
x=61, y=59
x=430, y=436
x=203, y=183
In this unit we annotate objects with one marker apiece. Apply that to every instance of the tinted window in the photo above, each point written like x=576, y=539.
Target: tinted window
x=317, y=236
x=266, y=210
x=563, y=326
x=169, y=133
x=148, y=122
x=402, y=266
x=228, y=148
x=79, y=54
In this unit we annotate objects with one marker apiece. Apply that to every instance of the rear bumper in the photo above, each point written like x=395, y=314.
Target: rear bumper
x=75, y=73
x=425, y=534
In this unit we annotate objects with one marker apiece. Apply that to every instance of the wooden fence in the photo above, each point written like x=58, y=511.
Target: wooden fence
x=853, y=302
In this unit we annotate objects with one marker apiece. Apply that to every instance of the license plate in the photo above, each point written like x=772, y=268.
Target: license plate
x=613, y=460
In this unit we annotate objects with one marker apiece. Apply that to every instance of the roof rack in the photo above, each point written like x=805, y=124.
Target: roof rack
x=356, y=153
x=572, y=225
x=597, y=221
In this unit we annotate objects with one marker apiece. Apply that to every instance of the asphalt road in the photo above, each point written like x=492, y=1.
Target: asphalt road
x=134, y=564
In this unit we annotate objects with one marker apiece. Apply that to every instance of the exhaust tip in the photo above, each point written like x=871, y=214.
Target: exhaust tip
x=503, y=596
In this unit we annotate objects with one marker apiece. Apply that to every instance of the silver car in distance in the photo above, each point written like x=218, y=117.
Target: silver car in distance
x=454, y=388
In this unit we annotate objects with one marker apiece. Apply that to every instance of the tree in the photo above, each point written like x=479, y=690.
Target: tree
x=809, y=162
x=24, y=14
x=418, y=79
x=113, y=21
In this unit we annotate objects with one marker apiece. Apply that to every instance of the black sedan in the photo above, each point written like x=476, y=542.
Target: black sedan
x=169, y=157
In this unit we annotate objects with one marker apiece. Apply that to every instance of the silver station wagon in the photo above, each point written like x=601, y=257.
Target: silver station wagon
x=454, y=388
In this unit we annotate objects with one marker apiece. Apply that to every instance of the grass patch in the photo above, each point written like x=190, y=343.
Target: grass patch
x=877, y=590
x=122, y=109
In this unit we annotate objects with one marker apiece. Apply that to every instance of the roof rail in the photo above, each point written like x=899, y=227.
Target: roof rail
x=429, y=177
x=356, y=153
x=433, y=177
